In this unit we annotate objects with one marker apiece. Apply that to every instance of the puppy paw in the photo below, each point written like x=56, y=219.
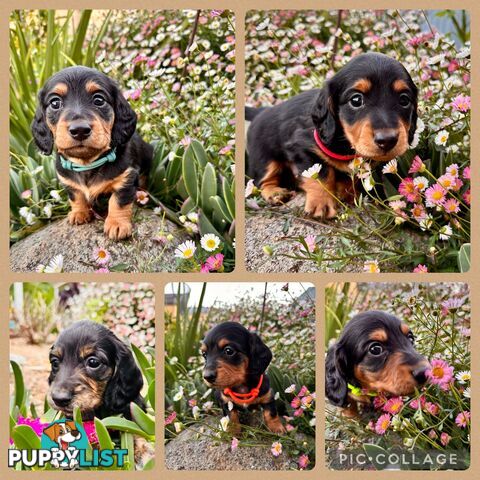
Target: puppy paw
x=277, y=196
x=117, y=229
x=323, y=207
x=277, y=428
x=234, y=429
x=78, y=217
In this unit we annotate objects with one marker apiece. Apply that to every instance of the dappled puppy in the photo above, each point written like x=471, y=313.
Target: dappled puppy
x=375, y=354
x=93, y=370
x=235, y=364
x=83, y=114
x=368, y=109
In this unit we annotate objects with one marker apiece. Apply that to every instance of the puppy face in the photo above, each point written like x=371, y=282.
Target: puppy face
x=374, y=100
x=91, y=368
x=231, y=354
x=78, y=111
x=375, y=351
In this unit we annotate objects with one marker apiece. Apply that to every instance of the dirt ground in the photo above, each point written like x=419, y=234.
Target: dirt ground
x=33, y=360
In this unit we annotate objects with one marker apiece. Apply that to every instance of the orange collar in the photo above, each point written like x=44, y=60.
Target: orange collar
x=244, y=397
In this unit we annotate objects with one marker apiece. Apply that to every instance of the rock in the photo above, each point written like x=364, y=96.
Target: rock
x=140, y=253
x=193, y=450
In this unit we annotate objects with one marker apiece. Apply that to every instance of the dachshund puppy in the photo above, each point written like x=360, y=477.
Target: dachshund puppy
x=93, y=370
x=368, y=109
x=374, y=354
x=235, y=364
x=82, y=113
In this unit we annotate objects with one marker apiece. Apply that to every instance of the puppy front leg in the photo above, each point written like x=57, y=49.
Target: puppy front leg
x=272, y=419
x=80, y=209
x=234, y=426
x=118, y=224
x=320, y=201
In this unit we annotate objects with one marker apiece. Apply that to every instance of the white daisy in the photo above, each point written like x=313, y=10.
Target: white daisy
x=249, y=188
x=442, y=137
x=466, y=392
x=55, y=195
x=210, y=242
x=55, y=265
x=390, y=167
x=371, y=266
x=185, y=250
x=312, y=172
x=464, y=376
x=445, y=232
x=421, y=183
x=224, y=421
x=47, y=210
x=290, y=389
x=193, y=217
x=179, y=395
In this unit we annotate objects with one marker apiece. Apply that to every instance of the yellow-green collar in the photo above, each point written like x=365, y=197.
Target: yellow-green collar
x=357, y=391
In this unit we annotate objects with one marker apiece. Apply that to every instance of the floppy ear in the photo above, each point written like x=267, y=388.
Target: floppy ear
x=41, y=133
x=52, y=431
x=125, y=121
x=323, y=115
x=260, y=355
x=413, y=122
x=126, y=383
x=335, y=376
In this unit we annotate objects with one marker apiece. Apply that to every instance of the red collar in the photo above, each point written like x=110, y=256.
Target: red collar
x=329, y=153
x=244, y=397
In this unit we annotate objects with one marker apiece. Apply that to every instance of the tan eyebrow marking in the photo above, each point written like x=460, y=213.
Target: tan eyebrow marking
x=60, y=89
x=92, y=86
x=405, y=329
x=222, y=343
x=380, y=335
x=400, y=85
x=363, y=85
x=86, y=351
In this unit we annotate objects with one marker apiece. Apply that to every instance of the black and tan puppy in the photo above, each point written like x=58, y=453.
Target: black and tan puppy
x=368, y=109
x=82, y=113
x=374, y=354
x=93, y=370
x=235, y=364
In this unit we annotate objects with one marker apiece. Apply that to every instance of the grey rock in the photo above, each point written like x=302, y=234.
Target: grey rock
x=196, y=449
x=141, y=253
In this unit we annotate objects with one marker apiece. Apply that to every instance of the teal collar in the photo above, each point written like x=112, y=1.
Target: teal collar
x=358, y=392
x=111, y=156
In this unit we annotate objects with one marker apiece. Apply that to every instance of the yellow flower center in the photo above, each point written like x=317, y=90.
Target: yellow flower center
x=438, y=372
x=385, y=424
x=210, y=243
x=437, y=195
x=187, y=253
x=101, y=254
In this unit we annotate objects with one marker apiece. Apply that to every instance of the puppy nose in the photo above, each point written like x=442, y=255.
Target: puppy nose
x=80, y=130
x=62, y=398
x=386, y=139
x=209, y=375
x=420, y=375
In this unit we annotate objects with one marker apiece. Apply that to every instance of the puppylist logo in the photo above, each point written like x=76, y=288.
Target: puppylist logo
x=64, y=444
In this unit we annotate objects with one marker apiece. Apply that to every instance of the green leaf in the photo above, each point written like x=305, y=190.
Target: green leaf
x=151, y=394
x=373, y=451
x=127, y=443
x=199, y=153
x=104, y=439
x=221, y=208
x=190, y=174
x=149, y=465
x=209, y=187
x=464, y=258
x=228, y=197
x=124, y=425
x=143, y=420
x=143, y=363
x=25, y=438
x=19, y=397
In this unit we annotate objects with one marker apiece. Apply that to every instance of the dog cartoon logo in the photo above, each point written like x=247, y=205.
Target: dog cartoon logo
x=65, y=438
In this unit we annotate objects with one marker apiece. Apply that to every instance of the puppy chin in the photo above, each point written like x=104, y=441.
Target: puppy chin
x=82, y=154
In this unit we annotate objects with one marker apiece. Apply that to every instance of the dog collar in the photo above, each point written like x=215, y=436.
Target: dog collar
x=244, y=397
x=110, y=157
x=359, y=391
x=329, y=153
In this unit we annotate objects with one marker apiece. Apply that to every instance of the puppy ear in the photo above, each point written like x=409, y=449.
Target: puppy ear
x=335, y=376
x=125, y=121
x=323, y=115
x=260, y=355
x=126, y=383
x=41, y=133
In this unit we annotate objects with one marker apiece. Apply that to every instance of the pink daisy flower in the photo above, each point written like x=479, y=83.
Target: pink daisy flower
x=170, y=419
x=418, y=212
x=310, y=240
x=303, y=461
x=204, y=268
x=101, y=256
x=215, y=262
x=296, y=403
x=466, y=197
x=142, y=197
x=461, y=103
x=463, y=419
x=451, y=206
x=466, y=173
x=393, y=405
x=408, y=189
x=102, y=270
x=397, y=205
x=276, y=449
x=447, y=181
x=416, y=402
x=453, y=170
x=382, y=424
x=420, y=269
x=298, y=412
x=435, y=195
x=234, y=444
x=417, y=165
x=379, y=401
x=440, y=373
x=303, y=391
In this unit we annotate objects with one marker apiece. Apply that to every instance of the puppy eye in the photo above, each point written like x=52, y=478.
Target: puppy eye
x=376, y=349
x=356, y=101
x=204, y=354
x=99, y=100
x=93, y=362
x=229, y=351
x=404, y=100
x=56, y=103
x=411, y=337
x=54, y=363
